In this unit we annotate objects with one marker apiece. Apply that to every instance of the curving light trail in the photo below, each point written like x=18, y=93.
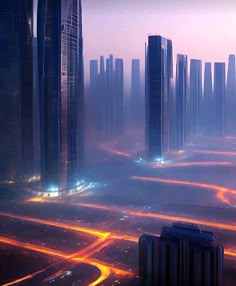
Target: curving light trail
x=114, y=151
x=23, y=278
x=150, y=215
x=215, y=152
x=104, y=268
x=220, y=191
x=32, y=247
x=94, y=232
x=191, y=164
x=164, y=217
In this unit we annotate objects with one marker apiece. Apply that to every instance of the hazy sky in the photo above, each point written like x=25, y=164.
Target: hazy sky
x=204, y=29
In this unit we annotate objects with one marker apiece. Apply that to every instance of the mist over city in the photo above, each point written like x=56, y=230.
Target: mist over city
x=118, y=143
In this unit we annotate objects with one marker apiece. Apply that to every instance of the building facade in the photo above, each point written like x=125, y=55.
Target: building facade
x=16, y=93
x=181, y=100
x=219, y=98
x=183, y=255
x=60, y=49
x=208, y=100
x=118, y=96
x=231, y=97
x=195, y=96
x=157, y=116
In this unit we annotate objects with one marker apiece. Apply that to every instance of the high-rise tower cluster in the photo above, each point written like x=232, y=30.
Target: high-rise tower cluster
x=107, y=95
x=176, y=114
x=41, y=86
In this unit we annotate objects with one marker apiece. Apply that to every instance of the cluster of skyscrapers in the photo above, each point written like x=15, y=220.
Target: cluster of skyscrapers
x=176, y=112
x=107, y=95
x=41, y=79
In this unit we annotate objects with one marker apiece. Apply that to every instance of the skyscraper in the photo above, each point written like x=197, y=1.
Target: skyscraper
x=182, y=256
x=109, y=105
x=135, y=96
x=181, y=99
x=93, y=77
x=170, y=115
x=118, y=96
x=231, y=97
x=157, y=127
x=16, y=93
x=102, y=94
x=208, y=101
x=195, y=96
x=60, y=49
x=219, y=98
x=135, y=79
x=94, y=94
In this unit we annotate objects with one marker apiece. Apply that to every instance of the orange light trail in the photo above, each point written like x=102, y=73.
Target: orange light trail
x=191, y=164
x=221, y=191
x=114, y=151
x=155, y=216
x=164, y=217
x=105, y=269
x=23, y=278
x=214, y=152
x=32, y=247
x=93, y=232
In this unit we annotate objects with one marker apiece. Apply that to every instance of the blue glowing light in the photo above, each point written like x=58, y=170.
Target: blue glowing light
x=53, y=189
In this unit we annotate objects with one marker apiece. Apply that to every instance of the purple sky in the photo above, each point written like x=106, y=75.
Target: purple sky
x=204, y=29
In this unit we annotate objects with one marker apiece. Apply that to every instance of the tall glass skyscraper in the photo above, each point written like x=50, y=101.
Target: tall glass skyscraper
x=195, y=95
x=118, y=96
x=135, y=80
x=170, y=115
x=157, y=117
x=231, y=96
x=16, y=93
x=208, y=100
x=60, y=49
x=93, y=78
x=181, y=99
x=219, y=98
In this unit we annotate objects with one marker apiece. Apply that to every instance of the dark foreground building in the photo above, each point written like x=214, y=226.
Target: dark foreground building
x=60, y=50
x=16, y=92
x=182, y=256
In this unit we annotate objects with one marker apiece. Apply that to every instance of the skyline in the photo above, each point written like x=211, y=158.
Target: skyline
x=208, y=22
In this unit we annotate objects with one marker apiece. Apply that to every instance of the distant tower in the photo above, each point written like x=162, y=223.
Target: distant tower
x=208, y=100
x=195, y=95
x=60, y=47
x=118, y=96
x=181, y=99
x=93, y=78
x=135, y=100
x=102, y=94
x=231, y=96
x=219, y=97
x=135, y=79
x=109, y=105
x=94, y=94
x=182, y=256
x=16, y=92
x=157, y=117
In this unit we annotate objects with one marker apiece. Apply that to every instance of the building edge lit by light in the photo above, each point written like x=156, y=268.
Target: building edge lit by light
x=60, y=61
